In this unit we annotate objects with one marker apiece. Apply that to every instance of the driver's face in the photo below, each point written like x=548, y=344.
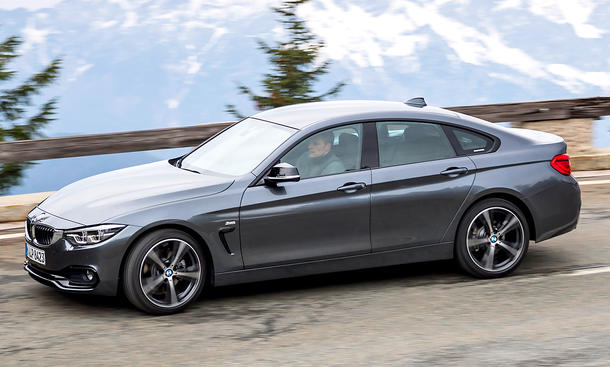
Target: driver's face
x=318, y=148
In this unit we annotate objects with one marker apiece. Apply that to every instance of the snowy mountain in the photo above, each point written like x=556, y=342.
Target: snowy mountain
x=137, y=64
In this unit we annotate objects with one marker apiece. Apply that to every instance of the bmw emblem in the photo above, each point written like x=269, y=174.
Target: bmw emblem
x=169, y=273
x=494, y=238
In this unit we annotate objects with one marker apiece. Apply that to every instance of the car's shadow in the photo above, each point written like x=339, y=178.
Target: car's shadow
x=409, y=274
x=538, y=259
x=415, y=274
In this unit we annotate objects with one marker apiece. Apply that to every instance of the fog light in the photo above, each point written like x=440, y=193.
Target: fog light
x=81, y=276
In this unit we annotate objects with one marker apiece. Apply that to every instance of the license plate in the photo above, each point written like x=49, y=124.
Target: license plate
x=35, y=254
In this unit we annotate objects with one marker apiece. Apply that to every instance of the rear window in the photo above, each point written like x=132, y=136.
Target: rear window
x=471, y=142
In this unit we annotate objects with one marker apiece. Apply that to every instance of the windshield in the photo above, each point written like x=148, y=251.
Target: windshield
x=239, y=149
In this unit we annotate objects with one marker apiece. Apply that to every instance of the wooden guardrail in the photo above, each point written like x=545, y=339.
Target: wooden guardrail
x=189, y=136
x=130, y=141
x=558, y=109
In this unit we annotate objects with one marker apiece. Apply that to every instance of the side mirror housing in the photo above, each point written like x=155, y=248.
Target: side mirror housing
x=282, y=172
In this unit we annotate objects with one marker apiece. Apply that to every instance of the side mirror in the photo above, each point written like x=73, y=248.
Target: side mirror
x=282, y=172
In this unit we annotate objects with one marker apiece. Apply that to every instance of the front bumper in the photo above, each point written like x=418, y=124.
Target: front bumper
x=64, y=262
x=55, y=280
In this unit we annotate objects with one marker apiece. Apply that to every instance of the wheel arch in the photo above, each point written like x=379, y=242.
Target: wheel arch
x=510, y=197
x=209, y=262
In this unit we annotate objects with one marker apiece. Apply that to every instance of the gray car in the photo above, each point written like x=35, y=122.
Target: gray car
x=307, y=189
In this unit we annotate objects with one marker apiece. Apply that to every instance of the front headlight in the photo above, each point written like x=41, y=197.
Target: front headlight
x=92, y=235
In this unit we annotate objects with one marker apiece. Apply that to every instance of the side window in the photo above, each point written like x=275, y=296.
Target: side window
x=328, y=152
x=471, y=142
x=411, y=142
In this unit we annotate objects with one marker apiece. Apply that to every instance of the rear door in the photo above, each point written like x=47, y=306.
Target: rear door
x=419, y=186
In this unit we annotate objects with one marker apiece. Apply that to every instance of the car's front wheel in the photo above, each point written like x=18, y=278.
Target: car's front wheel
x=492, y=239
x=164, y=272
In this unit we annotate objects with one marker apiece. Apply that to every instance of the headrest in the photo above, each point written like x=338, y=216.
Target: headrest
x=348, y=139
x=419, y=131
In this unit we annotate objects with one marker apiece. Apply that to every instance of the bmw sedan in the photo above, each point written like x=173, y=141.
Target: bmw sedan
x=307, y=189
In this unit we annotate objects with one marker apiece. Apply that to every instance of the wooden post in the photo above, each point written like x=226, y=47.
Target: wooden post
x=577, y=132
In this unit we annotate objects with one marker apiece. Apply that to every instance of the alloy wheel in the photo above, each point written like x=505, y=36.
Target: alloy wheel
x=170, y=273
x=495, y=239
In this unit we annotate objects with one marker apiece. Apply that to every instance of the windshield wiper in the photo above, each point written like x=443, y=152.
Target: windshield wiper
x=187, y=169
x=179, y=162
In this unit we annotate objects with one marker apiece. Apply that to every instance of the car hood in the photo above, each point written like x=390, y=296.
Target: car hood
x=98, y=198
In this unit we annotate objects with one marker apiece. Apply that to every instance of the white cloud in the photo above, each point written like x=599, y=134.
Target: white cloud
x=573, y=12
x=125, y=4
x=131, y=19
x=576, y=80
x=394, y=36
x=511, y=78
x=576, y=13
x=99, y=24
x=30, y=5
x=217, y=11
x=499, y=53
x=172, y=103
x=83, y=68
x=192, y=65
x=79, y=71
x=34, y=36
x=354, y=35
x=508, y=4
x=469, y=44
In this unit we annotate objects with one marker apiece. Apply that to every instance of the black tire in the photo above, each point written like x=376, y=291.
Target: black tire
x=473, y=231
x=135, y=266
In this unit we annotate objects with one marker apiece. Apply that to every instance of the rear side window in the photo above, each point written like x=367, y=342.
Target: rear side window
x=471, y=142
x=411, y=142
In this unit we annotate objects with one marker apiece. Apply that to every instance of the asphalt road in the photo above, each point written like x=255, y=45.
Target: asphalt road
x=555, y=310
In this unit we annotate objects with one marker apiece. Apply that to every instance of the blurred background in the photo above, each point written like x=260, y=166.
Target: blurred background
x=139, y=64
x=76, y=67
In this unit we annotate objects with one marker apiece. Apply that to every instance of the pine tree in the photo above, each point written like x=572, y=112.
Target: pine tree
x=15, y=104
x=294, y=71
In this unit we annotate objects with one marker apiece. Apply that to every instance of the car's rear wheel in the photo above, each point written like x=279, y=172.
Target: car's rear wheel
x=492, y=239
x=164, y=272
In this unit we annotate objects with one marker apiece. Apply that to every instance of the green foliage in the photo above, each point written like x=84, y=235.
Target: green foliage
x=15, y=103
x=294, y=69
x=11, y=174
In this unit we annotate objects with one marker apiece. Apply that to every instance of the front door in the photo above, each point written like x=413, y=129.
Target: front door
x=324, y=215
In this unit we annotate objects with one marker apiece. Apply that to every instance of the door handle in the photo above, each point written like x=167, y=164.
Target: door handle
x=352, y=187
x=454, y=171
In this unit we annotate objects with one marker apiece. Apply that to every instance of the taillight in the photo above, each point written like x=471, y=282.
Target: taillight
x=561, y=163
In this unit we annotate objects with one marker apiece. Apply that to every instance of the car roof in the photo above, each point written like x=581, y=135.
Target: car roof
x=302, y=115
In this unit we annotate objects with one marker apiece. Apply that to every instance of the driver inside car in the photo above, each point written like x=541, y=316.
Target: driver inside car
x=319, y=160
